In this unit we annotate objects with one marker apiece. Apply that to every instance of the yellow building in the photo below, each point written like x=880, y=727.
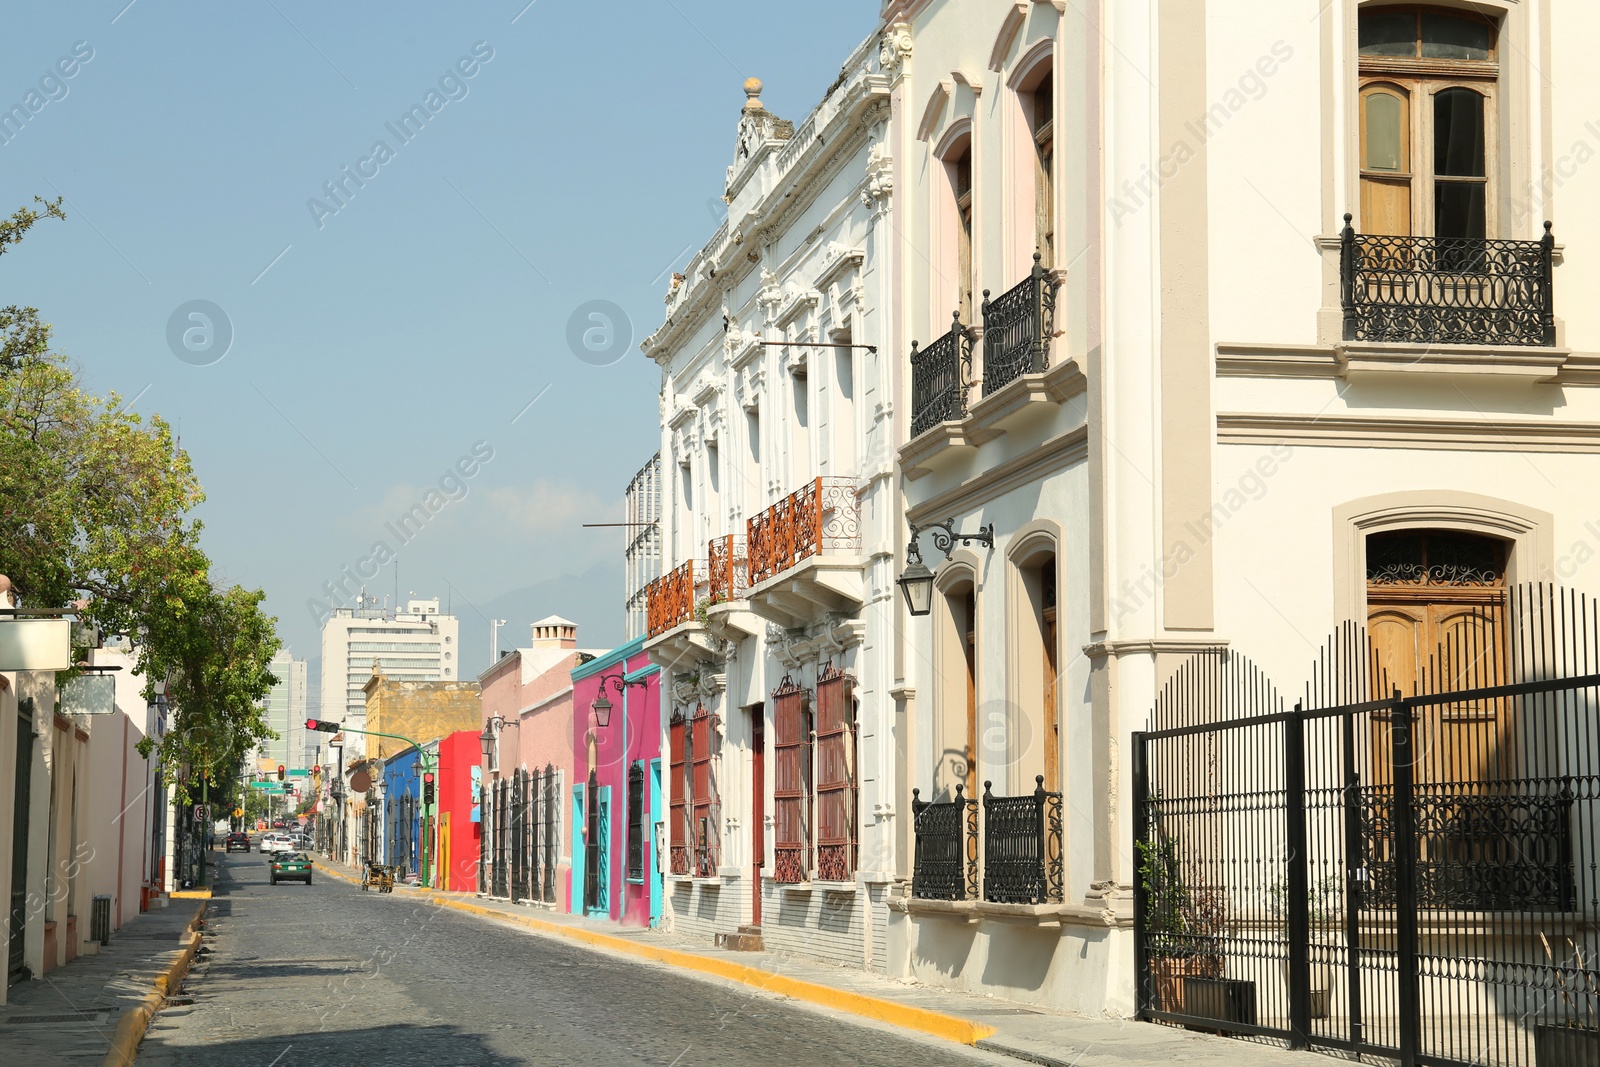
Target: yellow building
x=421, y=711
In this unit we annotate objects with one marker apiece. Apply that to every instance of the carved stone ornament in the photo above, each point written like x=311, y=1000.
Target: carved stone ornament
x=896, y=47
x=880, y=176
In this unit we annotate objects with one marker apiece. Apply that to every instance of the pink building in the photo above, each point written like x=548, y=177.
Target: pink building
x=527, y=708
x=616, y=800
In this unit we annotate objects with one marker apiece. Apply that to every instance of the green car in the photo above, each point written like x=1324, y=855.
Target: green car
x=290, y=867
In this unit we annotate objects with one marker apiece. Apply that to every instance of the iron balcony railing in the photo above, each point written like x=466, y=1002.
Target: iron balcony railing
x=820, y=517
x=1021, y=858
x=1022, y=847
x=941, y=374
x=1446, y=290
x=1017, y=326
x=1506, y=848
x=669, y=600
x=728, y=567
x=946, y=865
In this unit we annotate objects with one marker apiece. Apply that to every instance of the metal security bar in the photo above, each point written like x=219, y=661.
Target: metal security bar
x=551, y=831
x=1022, y=846
x=1408, y=873
x=941, y=374
x=947, y=847
x=1447, y=290
x=1017, y=326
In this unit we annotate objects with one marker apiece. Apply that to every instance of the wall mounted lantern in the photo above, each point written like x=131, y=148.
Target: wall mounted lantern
x=916, y=581
x=601, y=706
x=486, y=740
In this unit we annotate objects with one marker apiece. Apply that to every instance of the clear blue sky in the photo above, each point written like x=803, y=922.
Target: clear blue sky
x=582, y=162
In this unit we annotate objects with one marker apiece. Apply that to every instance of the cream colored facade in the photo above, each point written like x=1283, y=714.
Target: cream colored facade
x=1204, y=453
x=778, y=392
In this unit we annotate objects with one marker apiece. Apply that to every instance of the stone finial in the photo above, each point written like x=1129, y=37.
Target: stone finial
x=752, y=90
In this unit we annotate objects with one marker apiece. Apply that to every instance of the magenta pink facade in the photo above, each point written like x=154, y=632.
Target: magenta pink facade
x=635, y=715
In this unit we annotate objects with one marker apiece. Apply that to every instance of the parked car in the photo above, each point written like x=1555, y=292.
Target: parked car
x=277, y=824
x=238, y=842
x=290, y=867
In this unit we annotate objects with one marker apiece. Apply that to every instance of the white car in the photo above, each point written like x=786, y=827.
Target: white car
x=273, y=842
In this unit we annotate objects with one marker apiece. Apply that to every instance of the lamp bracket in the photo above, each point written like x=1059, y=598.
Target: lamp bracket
x=945, y=535
x=621, y=681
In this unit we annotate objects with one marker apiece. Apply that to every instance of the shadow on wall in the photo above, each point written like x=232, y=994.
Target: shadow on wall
x=1018, y=957
x=944, y=946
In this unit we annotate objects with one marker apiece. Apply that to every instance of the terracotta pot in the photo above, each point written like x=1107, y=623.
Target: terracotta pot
x=1169, y=972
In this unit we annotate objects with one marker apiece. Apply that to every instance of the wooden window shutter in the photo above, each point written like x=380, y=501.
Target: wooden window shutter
x=791, y=785
x=703, y=797
x=678, y=820
x=836, y=777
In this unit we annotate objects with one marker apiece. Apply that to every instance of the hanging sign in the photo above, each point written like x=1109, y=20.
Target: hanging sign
x=35, y=644
x=89, y=694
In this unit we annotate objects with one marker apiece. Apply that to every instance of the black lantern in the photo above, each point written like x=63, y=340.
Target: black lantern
x=487, y=739
x=601, y=706
x=916, y=581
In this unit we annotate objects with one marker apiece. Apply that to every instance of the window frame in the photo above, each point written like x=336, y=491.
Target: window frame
x=1421, y=80
x=837, y=777
x=792, y=783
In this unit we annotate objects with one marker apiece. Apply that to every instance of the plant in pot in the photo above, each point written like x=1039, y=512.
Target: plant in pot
x=1573, y=1039
x=1324, y=904
x=1181, y=924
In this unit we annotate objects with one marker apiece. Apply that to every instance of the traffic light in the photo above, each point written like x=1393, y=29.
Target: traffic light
x=427, y=788
x=280, y=772
x=322, y=726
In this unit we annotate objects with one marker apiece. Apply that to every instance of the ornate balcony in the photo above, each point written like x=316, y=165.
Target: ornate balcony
x=941, y=374
x=946, y=865
x=669, y=600
x=1446, y=290
x=728, y=564
x=1017, y=326
x=805, y=553
x=1022, y=847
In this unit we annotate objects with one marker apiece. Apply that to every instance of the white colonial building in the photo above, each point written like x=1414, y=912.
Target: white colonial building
x=780, y=513
x=1201, y=411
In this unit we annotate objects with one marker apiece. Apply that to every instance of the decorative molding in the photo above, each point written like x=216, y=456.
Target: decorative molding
x=1010, y=26
x=895, y=48
x=841, y=259
x=1057, y=453
x=880, y=176
x=1245, y=360
x=1408, y=431
x=970, y=80
x=935, y=107
x=1153, y=646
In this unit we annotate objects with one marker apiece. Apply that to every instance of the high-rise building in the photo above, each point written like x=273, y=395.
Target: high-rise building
x=642, y=557
x=286, y=712
x=414, y=644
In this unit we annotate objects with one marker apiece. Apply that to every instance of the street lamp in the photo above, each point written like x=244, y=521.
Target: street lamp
x=916, y=581
x=486, y=741
x=601, y=706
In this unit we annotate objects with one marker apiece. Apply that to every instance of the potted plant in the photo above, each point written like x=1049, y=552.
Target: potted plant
x=1323, y=908
x=1181, y=925
x=1575, y=1039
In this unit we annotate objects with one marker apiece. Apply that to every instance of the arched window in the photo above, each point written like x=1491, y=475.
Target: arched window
x=956, y=681
x=958, y=167
x=1428, y=82
x=1039, y=103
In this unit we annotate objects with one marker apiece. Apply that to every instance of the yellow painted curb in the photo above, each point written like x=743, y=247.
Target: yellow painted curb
x=935, y=1024
x=337, y=874
x=132, y=1026
x=190, y=894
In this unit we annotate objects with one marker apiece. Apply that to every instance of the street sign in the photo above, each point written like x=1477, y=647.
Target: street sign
x=199, y=813
x=238, y=813
x=299, y=772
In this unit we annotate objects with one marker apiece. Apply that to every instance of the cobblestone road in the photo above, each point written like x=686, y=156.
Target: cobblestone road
x=329, y=975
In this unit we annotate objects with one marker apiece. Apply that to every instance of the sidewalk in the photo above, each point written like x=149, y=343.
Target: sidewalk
x=71, y=1015
x=1033, y=1035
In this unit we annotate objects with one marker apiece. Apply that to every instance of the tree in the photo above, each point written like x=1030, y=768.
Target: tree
x=95, y=513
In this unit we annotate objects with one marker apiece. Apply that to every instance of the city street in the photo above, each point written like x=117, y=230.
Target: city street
x=327, y=974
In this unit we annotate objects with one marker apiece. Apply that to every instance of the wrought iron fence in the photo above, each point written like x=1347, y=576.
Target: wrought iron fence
x=1017, y=326
x=819, y=517
x=1447, y=290
x=550, y=830
x=500, y=880
x=1022, y=846
x=1412, y=875
x=941, y=374
x=946, y=866
x=520, y=887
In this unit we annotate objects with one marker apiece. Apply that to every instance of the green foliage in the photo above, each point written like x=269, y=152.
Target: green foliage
x=1180, y=920
x=95, y=513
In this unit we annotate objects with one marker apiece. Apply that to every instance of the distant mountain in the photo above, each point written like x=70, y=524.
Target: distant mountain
x=592, y=599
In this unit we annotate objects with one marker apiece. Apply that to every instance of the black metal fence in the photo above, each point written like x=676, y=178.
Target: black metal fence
x=1018, y=849
x=1017, y=326
x=1447, y=290
x=520, y=847
x=941, y=374
x=1403, y=874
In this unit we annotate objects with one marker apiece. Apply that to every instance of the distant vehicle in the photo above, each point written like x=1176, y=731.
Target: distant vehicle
x=275, y=843
x=301, y=842
x=277, y=824
x=238, y=842
x=290, y=867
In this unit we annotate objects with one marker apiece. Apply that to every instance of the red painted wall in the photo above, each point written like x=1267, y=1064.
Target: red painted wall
x=458, y=754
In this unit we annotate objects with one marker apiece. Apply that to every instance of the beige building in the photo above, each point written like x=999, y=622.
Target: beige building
x=1197, y=410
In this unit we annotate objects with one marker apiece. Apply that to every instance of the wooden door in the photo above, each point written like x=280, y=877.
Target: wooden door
x=969, y=648
x=1052, y=713
x=1436, y=614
